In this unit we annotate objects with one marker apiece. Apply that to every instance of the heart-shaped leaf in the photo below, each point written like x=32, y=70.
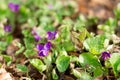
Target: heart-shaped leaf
x=38, y=64
x=95, y=44
x=62, y=63
x=115, y=62
x=89, y=59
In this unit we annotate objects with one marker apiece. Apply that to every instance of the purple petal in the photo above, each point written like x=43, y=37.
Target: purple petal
x=51, y=35
x=43, y=53
x=39, y=47
x=105, y=55
x=47, y=46
x=37, y=37
x=33, y=32
x=7, y=28
x=14, y=7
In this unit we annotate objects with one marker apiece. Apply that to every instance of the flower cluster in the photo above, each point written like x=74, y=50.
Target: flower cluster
x=44, y=49
x=51, y=35
x=105, y=55
x=13, y=7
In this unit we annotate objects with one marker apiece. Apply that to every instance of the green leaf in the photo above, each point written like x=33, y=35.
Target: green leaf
x=62, y=63
x=118, y=79
x=109, y=26
x=54, y=55
x=3, y=45
x=32, y=22
x=48, y=59
x=88, y=59
x=24, y=11
x=7, y=59
x=9, y=38
x=20, y=51
x=26, y=33
x=65, y=30
x=29, y=53
x=19, y=44
x=83, y=35
x=29, y=42
x=66, y=40
x=112, y=23
x=0, y=65
x=80, y=23
x=98, y=72
x=95, y=44
x=115, y=62
x=117, y=11
x=63, y=52
x=85, y=76
x=54, y=75
x=38, y=64
x=22, y=68
x=3, y=10
x=68, y=45
x=92, y=20
x=74, y=59
x=81, y=75
x=76, y=73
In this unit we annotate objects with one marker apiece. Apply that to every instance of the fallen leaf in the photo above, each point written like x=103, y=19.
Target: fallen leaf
x=68, y=78
x=4, y=75
x=12, y=48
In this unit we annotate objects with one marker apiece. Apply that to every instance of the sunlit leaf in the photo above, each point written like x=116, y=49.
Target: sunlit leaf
x=8, y=59
x=20, y=50
x=28, y=53
x=3, y=45
x=54, y=75
x=29, y=42
x=38, y=64
x=85, y=76
x=115, y=62
x=62, y=63
x=22, y=68
x=95, y=44
x=88, y=59
x=76, y=73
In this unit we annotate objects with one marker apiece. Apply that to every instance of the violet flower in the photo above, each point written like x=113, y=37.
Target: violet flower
x=14, y=7
x=36, y=36
x=51, y=35
x=33, y=31
x=7, y=28
x=43, y=53
x=105, y=55
x=43, y=49
x=47, y=46
x=40, y=46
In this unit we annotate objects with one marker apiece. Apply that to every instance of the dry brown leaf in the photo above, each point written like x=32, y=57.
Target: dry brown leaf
x=12, y=48
x=99, y=78
x=106, y=3
x=116, y=39
x=68, y=78
x=4, y=75
x=76, y=41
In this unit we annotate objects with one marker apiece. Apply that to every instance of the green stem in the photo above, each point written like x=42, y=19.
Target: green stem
x=48, y=72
